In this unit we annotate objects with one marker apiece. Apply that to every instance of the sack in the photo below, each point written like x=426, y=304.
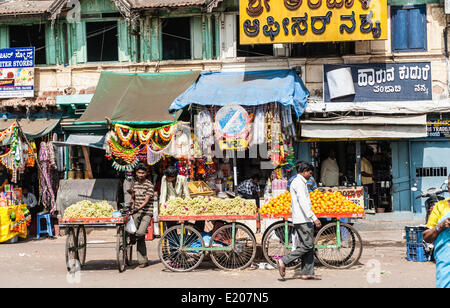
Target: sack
x=130, y=227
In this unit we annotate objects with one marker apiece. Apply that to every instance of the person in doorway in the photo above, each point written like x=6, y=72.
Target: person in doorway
x=329, y=171
x=304, y=220
x=142, y=210
x=249, y=189
x=29, y=199
x=438, y=233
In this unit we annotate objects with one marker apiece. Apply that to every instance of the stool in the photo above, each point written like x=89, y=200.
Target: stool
x=48, y=224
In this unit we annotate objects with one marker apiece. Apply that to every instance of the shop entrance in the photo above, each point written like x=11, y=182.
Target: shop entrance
x=428, y=167
x=376, y=159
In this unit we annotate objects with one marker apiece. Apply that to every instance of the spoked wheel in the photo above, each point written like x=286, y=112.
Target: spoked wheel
x=338, y=258
x=173, y=254
x=129, y=257
x=71, y=249
x=81, y=246
x=239, y=257
x=121, y=249
x=274, y=245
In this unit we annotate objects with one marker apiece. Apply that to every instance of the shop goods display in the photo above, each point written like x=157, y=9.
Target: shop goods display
x=88, y=209
x=278, y=205
x=208, y=206
x=333, y=202
x=322, y=203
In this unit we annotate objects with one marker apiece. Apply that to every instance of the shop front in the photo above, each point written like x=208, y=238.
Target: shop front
x=373, y=119
x=27, y=161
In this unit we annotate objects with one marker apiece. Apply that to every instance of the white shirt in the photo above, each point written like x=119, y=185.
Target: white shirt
x=301, y=203
x=29, y=200
x=329, y=172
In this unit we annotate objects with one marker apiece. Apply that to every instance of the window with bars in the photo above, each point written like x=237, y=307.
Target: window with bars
x=431, y=171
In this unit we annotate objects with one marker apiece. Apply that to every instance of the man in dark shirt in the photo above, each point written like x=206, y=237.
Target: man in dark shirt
x=142, y=194
x=249, y=189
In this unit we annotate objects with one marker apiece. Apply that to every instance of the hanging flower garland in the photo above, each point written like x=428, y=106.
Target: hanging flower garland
x=127, y=145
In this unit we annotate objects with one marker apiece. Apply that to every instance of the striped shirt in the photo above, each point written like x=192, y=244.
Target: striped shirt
x=141, y=191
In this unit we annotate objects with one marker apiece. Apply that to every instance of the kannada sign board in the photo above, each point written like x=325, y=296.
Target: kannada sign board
x=17, y=72
x=438, y=128
x=377, y=82
x=300, y=21
x=354, y=194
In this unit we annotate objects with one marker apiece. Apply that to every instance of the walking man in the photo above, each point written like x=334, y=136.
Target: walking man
x=304, y=221
x=142, y=194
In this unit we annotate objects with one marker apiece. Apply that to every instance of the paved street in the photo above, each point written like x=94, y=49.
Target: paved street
x=41, y=264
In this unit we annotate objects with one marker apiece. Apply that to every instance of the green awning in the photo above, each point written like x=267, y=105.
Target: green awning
x=411, y=2
x=136, y=98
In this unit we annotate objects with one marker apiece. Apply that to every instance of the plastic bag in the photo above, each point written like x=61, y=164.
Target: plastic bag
x=130, y=227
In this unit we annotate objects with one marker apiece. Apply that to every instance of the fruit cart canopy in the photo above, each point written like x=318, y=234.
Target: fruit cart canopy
x=32, y=128
x=136, y=98
x=362, y=127
x=93, y=141
x=246, y=89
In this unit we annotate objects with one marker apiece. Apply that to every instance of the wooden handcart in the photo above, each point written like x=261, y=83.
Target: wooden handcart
x=337, y=245
x=231, y=246
x=76, y=243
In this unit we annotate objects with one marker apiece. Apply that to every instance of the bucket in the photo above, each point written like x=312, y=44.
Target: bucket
x=380, y=209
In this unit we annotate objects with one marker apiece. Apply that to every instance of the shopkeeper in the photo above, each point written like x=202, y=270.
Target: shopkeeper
x=329, y=171
x=29, y=199
x=249, y=189
x=141, y=203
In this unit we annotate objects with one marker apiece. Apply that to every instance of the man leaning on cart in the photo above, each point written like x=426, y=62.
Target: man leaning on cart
x=304, y=220
x=141, y=193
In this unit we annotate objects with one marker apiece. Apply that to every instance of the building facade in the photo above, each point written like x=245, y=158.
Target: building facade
x=76, y=40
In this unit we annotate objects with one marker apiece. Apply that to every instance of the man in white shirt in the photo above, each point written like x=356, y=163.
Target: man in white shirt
x=329, y=171
x=28, y=198
x=304, y=220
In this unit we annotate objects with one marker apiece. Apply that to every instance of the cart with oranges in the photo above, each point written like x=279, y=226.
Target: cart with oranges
x=337, y=245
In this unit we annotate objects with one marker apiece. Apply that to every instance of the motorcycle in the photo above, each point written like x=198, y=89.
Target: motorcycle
x=433, y=194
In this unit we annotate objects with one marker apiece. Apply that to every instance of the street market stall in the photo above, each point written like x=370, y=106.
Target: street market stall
x=337, y=245
x=85, y=214
x=23, y=164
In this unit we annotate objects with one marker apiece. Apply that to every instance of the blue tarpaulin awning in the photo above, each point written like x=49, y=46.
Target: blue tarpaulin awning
x=246, y=89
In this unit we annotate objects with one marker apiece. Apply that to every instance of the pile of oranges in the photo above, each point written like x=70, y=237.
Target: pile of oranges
x=278, y=205
x=332, y=202
x=322, y=203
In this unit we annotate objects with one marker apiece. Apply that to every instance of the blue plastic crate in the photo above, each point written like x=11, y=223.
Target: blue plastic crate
x=414, y=235
x=417, y=253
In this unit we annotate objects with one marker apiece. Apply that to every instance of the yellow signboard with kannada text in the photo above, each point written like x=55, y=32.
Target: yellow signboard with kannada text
x=301, y=21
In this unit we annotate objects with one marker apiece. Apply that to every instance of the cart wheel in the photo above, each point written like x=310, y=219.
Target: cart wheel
x=129, y=258
x=338, y=258
x=121, y=249
x=274, y=245
x=171, y=253
x=71, y=249
x=239, y=257
x=81, y=244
